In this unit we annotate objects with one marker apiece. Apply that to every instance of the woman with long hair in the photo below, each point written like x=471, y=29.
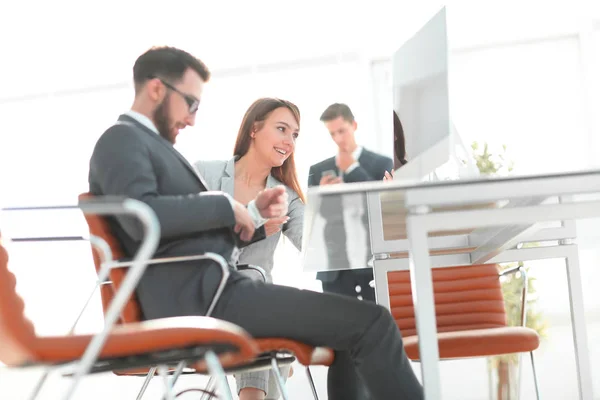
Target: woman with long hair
x=263, y=157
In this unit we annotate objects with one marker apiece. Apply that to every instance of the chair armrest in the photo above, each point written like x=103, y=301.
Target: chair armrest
x=110, y=205
x=114, y=205
x=512, y=271
x=217, y=258
x=120, y=206
x=105, y=257
x=247, y=267
x=97, y=242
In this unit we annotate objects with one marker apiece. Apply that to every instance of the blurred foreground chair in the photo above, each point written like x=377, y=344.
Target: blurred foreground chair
x=162, y=342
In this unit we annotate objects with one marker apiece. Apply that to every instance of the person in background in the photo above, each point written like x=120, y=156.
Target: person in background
x=352, y=163
x=399, y=148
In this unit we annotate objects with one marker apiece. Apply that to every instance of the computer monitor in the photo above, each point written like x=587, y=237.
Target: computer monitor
x=421, y=100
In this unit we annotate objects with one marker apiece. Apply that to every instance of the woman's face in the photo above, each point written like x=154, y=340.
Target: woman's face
x=275, y=141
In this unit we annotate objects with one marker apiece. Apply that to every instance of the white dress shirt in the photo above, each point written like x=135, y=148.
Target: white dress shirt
x=356, y=155
x=352, y=211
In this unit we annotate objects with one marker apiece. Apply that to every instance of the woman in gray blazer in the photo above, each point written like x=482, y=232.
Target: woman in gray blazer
x=263, y=158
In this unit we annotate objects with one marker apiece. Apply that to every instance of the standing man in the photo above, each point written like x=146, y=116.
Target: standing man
x=352, y=163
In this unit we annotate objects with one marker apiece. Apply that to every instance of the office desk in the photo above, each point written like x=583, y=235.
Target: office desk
x=397, y=225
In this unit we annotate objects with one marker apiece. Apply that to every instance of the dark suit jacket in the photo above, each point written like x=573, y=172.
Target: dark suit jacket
x=131, y=160
x=372, y=168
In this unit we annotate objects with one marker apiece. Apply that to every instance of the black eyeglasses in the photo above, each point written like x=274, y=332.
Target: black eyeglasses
x=192, y=102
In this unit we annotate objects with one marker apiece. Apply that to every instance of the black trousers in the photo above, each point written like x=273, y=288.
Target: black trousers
x=350, y=282
x=364, y=335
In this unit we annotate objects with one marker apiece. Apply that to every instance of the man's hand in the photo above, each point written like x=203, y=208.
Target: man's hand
x=389, y=176
x=273, y=225
x=272, y=202
x=344, y=160
x=330, y=180
x=244, y=225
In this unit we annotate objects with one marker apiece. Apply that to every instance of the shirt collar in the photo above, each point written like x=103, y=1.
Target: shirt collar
x=142, y=119
x=356, y=153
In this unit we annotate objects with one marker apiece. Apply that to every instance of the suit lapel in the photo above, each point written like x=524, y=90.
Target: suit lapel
x=166, y=144
x=365, y=159
x=329, y=164
x=227, y=183
x=272, y=182
x=227, y=179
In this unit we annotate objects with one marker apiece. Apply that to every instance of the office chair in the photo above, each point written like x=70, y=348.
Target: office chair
x=161, y=342
x=274, y=352
x=470, y=314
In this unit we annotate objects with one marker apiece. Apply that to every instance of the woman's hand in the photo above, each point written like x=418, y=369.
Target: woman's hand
x=389, y=176
x=273, y=225
x=272, y=202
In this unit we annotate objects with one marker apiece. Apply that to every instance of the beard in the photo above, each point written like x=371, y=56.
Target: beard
x=162, y=120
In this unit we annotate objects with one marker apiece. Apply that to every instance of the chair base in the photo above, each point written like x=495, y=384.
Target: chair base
x=169, y=358
x=261, y=362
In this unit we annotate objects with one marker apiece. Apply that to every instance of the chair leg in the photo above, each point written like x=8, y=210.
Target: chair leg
x=215, y=369
x=209, y=387
x=40, y=383
x=312, y=383
x=163, y=371
x=177, y=372
x=146, y=383
x=535, y=380
x=519, y=375
x=280, y=382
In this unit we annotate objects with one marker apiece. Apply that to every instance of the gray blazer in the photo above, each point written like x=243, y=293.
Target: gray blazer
x=132, y=161
x=220, y=175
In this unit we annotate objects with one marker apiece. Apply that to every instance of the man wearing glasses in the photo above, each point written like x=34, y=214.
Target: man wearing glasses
x=135, y=158
x=170, y=129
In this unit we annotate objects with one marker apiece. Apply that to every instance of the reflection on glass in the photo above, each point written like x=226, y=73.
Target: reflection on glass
x=336, y=233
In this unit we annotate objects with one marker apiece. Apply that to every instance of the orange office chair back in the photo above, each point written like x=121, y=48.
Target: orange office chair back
x=17, y=334
x=100, y=228
x=466, y=298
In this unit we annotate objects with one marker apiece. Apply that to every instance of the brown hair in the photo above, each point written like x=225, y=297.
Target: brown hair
x=168, y=63
x=256, y=114
x=399, y=140
x=337, y=110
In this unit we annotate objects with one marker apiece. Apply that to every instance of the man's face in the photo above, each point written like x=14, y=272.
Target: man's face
x=173, y=113
x=342, y=133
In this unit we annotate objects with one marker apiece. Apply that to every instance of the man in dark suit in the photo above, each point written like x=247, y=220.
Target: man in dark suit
x=136, y=158
x=353, y=163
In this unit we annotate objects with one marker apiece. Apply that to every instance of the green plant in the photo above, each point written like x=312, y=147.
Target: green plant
x=488, y=164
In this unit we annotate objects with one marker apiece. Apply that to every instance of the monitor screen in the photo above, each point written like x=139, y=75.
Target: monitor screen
x=421, y=101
